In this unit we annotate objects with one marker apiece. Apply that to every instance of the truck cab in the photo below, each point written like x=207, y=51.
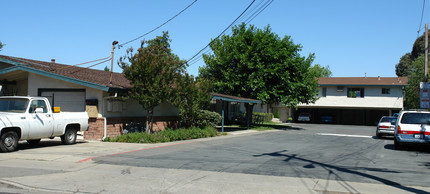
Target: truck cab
x=32, y=118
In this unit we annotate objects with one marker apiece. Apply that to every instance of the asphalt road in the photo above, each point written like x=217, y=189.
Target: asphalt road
x=332, y=152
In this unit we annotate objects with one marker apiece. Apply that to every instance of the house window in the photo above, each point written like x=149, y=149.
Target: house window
x=385, y=90
x=355, y=93
x=324, y=92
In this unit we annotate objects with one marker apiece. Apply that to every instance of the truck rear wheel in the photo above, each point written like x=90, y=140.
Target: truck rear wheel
x=69, y=137
x=9, y=141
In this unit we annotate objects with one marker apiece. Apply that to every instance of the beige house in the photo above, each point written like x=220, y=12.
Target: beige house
x=77, y=89
x=356, y=100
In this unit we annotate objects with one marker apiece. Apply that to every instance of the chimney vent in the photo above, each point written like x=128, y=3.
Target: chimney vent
x=52, y=60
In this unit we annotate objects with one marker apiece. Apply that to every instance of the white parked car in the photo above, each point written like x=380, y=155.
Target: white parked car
x=412, y=127
x=386, y=126
x=32, y=118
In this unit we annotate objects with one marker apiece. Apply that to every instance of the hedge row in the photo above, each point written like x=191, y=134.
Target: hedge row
x=167, y=135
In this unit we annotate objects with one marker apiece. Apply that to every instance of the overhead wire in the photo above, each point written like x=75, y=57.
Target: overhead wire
x=92, y=65
x=228, y=27
x=109, y=57
x=421, y=20
x=121, y=45
x=84, y=63
x=251, y=15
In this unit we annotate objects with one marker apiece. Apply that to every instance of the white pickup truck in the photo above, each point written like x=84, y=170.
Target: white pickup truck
x=32, y=118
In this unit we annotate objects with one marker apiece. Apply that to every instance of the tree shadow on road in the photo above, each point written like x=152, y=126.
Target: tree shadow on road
x=354, y=171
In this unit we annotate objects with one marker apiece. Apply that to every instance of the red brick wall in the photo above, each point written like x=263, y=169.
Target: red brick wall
x=115, y=126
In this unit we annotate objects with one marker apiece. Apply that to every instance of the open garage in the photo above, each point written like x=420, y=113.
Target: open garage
x=345, y=116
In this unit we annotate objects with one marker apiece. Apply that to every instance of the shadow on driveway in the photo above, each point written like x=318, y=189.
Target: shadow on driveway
x=354, y=171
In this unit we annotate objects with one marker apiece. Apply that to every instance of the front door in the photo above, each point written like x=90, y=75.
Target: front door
x=40, y=123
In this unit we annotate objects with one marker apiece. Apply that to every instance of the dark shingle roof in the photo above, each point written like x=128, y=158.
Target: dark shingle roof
x=99, y=77
x=363, y=81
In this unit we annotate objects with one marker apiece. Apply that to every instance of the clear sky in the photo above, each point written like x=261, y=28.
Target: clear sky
x=353, y=37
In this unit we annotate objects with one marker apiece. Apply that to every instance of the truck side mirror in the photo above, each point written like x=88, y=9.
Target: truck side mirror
x=39, y=110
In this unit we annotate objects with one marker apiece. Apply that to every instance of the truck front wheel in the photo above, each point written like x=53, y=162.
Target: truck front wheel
x=69, y=137
x=9, y=141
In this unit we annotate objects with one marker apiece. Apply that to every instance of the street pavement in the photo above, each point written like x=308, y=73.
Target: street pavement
x=56, y=168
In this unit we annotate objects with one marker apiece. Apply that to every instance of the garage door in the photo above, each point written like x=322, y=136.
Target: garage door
x=69, y=100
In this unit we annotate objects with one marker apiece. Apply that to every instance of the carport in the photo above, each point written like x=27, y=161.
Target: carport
x=348, y=116
x=222, y=98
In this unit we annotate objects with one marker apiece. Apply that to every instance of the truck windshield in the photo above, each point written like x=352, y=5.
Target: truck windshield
x=15, y=105
x=416, y=118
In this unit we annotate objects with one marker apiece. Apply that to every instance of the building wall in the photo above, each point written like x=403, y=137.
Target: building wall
x=373, y=97
x=118, y=112
x=116, y=126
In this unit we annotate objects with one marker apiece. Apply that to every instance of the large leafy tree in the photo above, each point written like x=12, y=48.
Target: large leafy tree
x=152, y=72
x=191, y=97
x=319, y=71
x=416, y=75
x=257, y=63
x=405, y=62
x=1, y=45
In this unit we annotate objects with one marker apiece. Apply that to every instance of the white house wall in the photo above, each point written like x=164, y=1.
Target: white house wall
x=373, y=98
x=128, y=108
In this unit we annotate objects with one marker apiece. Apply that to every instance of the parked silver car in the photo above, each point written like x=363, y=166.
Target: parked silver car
x=304, y=117
x=386, y=126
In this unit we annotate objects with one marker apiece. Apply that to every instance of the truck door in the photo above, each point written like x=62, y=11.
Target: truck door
x=40, y=123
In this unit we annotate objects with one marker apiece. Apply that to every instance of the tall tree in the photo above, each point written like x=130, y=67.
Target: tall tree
x=319, y=71
x=152, y=72
x=415, y=77
x=406, y=60
x=191, y=97
x=1, y=45
x=402, y=68
x=257, y=63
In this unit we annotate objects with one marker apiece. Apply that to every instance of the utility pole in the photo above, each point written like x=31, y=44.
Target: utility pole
x=111, y=62
x=426, y=53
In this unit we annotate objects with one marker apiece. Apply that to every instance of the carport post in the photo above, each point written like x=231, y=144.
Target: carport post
x=222, y=114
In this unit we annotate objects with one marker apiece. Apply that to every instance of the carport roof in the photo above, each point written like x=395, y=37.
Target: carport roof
x=229, y=98
x=363, y=81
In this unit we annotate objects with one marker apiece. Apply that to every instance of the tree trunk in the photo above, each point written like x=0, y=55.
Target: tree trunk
x=148, y=120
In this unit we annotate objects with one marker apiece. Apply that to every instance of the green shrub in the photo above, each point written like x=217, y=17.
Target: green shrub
x=167, y=135
x=276, y=114
x=207, y=118
x=266, y=116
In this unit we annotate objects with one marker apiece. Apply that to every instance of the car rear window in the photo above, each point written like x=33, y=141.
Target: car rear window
x=416, y=118
x=388, y=119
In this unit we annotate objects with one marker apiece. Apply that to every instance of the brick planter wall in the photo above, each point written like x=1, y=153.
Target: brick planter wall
x=115, y=126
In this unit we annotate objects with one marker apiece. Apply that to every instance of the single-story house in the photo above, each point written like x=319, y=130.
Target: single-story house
x=76, y=89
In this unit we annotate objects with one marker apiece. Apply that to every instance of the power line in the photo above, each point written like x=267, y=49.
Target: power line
x=421, y=21
x=119, y=46
x=91, y=65
x=83, y=63
x=251, y=15
x=260, y=10
x=228, y=27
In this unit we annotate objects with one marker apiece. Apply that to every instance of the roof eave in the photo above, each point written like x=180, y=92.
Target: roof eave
x=53, y=75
